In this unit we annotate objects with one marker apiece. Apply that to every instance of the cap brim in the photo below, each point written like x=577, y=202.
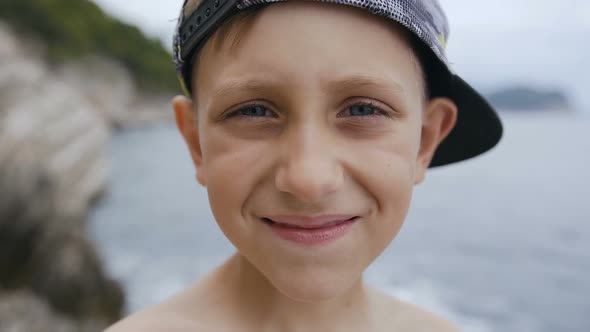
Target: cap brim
x=478, y=127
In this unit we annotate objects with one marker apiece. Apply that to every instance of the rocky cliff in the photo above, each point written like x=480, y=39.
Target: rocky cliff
x=55, y=122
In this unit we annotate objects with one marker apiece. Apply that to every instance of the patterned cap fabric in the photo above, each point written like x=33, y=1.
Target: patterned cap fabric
x=424, y=18
x=478, y=128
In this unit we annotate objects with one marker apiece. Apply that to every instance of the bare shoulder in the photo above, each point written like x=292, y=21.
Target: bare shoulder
x=202, y=307
x=172, y=315
x=155, y=319
x=399, y=315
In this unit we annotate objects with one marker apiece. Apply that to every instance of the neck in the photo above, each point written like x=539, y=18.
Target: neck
x=265, y=308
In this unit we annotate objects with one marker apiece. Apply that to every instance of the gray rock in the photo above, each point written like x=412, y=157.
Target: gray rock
x=52, y=167
x=23, y=311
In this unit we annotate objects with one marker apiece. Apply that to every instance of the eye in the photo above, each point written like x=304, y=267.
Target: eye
x=363, y=109
x=252, y=111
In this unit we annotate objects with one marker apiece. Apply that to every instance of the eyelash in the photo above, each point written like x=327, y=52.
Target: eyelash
x=378, y=110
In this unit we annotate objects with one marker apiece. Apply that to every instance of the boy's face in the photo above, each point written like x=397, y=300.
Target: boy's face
x=318, y=111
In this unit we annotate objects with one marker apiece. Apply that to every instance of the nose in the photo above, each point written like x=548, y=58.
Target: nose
x=309, y=168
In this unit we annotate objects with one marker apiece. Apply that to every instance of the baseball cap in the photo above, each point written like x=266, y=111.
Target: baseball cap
x=478, y=127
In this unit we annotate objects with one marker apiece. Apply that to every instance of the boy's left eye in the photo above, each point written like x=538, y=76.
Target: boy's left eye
x=360, y=110
x=363, y=109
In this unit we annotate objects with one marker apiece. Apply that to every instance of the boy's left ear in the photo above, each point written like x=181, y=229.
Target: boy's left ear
x=438, y=120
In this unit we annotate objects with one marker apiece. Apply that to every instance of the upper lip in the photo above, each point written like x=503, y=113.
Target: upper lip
x=310, y=221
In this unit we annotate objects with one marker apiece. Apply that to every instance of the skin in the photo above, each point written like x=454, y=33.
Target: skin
x=306, y=149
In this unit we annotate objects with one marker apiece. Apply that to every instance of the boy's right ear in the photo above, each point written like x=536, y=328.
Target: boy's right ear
x=186, y=121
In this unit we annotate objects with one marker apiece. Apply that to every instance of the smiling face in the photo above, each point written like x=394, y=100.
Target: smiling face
x=317, y=116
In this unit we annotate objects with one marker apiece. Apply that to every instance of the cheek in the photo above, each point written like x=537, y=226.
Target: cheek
x=386, y=172
x=392, y=188
x=232, y=169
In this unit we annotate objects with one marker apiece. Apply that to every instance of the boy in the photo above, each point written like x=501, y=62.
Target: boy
x=309, y=123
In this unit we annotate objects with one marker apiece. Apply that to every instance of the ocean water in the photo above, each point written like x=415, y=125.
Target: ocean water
x=499, y=243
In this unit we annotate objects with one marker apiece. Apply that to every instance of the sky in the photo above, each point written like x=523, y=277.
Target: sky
x=543, y=44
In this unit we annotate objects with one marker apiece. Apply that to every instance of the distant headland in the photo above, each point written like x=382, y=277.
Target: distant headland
x=523, y=98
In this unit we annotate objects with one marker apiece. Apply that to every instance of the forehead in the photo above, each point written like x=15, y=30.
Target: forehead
x=307, y=43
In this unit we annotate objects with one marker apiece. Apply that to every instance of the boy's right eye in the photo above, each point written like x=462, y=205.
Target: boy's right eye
x=252, y=111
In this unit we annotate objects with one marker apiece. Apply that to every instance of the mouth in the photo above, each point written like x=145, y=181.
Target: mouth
x=307, y=223
x=311, y=231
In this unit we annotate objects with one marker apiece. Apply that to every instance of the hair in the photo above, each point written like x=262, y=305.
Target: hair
x=231, y=33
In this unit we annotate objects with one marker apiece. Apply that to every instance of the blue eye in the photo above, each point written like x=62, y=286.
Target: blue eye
x=254, y=111
x=364, y=109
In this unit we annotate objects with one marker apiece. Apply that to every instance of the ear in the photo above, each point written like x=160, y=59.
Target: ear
x=438, y=120
x=186, y=121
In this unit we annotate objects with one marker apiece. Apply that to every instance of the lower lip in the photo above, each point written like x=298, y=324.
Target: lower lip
x=312, y=236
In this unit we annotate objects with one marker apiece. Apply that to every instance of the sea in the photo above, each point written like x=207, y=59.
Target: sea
x=497, y=243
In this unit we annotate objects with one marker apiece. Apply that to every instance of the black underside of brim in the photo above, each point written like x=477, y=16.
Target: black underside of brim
x=478, y=127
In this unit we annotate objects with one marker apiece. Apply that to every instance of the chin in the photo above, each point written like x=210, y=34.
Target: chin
x=314, y=287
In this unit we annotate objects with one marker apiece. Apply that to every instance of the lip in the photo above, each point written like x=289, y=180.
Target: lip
x=311, y=230
x=310, y=222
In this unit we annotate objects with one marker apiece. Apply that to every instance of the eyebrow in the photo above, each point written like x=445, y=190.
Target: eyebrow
x=364, y=81
x=253, y=85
